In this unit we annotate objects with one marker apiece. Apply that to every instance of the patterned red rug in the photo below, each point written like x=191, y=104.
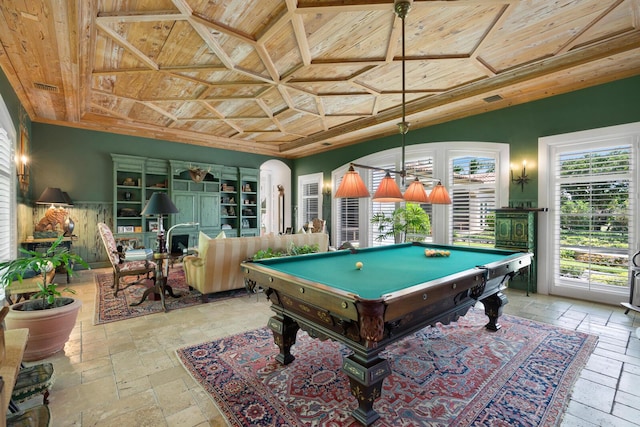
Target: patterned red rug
x=110, y=309
x=454, y=375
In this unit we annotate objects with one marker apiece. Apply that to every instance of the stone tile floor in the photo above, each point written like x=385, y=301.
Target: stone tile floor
x=126, y=373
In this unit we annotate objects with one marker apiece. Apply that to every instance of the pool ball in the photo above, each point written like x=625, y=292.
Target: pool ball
x=359, y=265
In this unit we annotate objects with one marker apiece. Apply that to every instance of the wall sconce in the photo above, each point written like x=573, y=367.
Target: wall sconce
x=23, y=172
x=523, y=178
x=326, y=189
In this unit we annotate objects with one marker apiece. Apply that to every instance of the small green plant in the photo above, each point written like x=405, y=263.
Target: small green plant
x=41, y=263
x=410, y=221
x=291, y=251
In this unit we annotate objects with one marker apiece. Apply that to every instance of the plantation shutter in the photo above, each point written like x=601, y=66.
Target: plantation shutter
x=380, y=209
x=347, y=222
x=424, y=169
x=473, y=195
x=348, y=227
x=592, y=226
x=309, y=198
x=310, y=203
x=5, y=196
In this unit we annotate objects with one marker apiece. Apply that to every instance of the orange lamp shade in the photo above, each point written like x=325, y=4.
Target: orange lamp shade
x=416, y=193
x=351, y=186
x=439, y=195
x=388, y=191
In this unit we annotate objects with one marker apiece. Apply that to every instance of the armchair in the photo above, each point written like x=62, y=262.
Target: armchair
x=319, y=225
x=122, y=267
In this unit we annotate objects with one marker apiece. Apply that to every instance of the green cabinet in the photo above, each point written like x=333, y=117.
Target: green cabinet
x=135, y=180
x=218, y=198
x=249, y=208
x=516, y=229
x=198, y=202
x=229, y=213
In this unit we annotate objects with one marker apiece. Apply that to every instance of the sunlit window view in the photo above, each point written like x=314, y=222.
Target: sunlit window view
x=592, y=195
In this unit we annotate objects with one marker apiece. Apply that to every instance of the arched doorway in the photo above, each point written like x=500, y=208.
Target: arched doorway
x=275, y=197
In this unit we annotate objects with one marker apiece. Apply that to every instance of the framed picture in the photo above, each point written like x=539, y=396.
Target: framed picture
x=153, y=226
x=128, y=228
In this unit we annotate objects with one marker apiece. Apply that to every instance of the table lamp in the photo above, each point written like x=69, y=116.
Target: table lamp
x=160, y=204
x=55, y=216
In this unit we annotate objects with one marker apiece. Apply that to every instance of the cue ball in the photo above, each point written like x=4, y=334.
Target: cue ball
x=359, y=265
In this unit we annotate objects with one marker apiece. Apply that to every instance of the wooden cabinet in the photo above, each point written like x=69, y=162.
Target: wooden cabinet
x=516, y=229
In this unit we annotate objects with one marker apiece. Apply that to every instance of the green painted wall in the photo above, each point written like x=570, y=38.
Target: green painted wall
x=11, y=100
x=79, y=161
x=13, y=105
x=521, y=126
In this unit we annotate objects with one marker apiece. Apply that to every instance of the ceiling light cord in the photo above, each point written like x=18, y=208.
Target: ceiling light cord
x=401, y=9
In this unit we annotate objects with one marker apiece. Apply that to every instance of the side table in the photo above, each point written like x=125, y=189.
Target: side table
x=32, y=245
x=162, y=272
x=15, y=341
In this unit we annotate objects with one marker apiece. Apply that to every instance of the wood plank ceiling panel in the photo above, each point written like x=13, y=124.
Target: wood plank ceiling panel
x=295, y=77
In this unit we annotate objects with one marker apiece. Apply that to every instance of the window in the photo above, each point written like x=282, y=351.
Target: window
x=474, y=200
x=309, y=198
x=7, y=189
x=7, y=186
x=475, y=192
x=380, y=234
x=5, y=195
x=589, y=233
x=593, y=201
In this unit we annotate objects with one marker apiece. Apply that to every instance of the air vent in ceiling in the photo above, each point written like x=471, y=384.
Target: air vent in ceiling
x=44, y=86
x=493, y=98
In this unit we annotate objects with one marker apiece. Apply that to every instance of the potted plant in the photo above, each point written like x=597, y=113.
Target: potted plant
x=49, y=316
x=409, y=222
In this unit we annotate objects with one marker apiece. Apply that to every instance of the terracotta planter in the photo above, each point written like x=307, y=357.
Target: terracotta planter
x=49, y=329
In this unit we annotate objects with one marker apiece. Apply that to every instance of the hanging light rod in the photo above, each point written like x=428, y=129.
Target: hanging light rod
x=352, y=185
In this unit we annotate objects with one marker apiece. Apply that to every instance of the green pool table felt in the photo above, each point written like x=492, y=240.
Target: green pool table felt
x=385, y=270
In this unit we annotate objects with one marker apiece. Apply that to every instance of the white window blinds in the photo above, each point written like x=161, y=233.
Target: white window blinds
x=474, y=200
x=310, y=204
x=381, y=232
x=593, y=227
x=309, y=198
x=6, y=166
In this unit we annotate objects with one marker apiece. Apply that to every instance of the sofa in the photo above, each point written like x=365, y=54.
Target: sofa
x=216, y=267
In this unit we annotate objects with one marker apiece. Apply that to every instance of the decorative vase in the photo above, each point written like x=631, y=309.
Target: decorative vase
x=69, y=225
x=49, y=329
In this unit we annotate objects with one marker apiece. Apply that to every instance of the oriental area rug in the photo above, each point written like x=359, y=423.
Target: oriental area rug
x=454, y=375
x=109, y=308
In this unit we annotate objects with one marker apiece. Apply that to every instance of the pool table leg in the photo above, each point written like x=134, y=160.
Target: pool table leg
x=365, y=378
x=284, y=335
x=493, y=305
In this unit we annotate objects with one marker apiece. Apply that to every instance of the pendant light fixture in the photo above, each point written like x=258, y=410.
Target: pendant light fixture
x=388, y=191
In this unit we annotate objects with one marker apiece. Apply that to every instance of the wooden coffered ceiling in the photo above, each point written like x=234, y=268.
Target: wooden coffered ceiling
x=292, y=78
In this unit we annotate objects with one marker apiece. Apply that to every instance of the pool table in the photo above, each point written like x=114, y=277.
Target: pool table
x=397, y=291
